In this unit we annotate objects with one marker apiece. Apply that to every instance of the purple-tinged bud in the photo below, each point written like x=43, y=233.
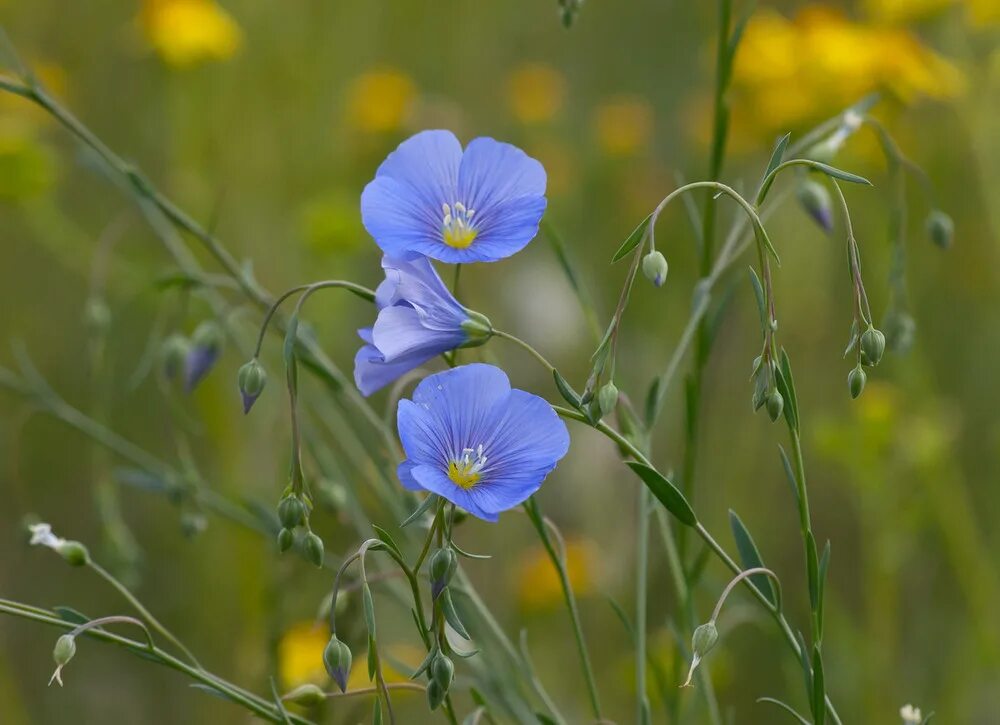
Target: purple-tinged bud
x=337, y=659
x=815, y=199
x=174, y=352
x=654, y=267
x=251, y=380
x=442, y=568
x=206, y=343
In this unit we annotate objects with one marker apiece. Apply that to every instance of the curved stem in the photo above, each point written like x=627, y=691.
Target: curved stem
x=740, y=577
x=518, y=341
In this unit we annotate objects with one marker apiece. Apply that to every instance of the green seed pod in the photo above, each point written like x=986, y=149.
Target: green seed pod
x=704, y=638
x=479, y=329
x=872, y=346
x=64, y=650
x=74, y=553
x=775, y=404
x=286, y=537
x=815, y=199
x=307, y=695
x=442, y=671
x=337, y=660
x=442, y=567
x=291, y=511
x=315, y=551
x=940, y=228
x=435, y=695
x=251, y=380
x=856, y=380
x=607, y=398
x=654, y=267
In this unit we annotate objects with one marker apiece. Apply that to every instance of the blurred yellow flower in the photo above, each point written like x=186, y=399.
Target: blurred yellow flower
x=27, y=168
x=535, y=92
x=380, y=101
x=187, y=32
x=979, y=12
x=790, y=72
x=300, y=654
x=538, y=585
x=623, y=125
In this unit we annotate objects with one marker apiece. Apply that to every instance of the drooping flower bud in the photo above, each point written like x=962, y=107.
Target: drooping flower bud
x=291, y=511
x=856, y=380
x=206, y=343
x=654, y=267
x=435, y=695
x=442, y=568
x=872, y=346
x=251, y=379
x=607, y=398
x=704, y=638
x=940, y=228
x=775, y=404
x=62, y=653
x=337, y=660
x=479, y=329
x=286, y=538
x=307, y=695
x=815, y=199
x=442, y=671
x=315, y=551
x=174, y=352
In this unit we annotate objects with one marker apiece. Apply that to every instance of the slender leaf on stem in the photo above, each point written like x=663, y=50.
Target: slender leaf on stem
x=451, y=615
x=633, y=239
x=420, y=510
x=387, y=540
x=812, y=566
x=786, y=708
x=758, y=295
x=789, y=474
x=750, y=557
x=818, y=691
x=666, y=492
x=566, y=390
x=777, y=154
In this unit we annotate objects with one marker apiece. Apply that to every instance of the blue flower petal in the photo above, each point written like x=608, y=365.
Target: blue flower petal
x=493, y=172
x=507, y=227
x=405, y=473
x=415, y=283
x=400, y=332
x=436, y=481
x=372, y=372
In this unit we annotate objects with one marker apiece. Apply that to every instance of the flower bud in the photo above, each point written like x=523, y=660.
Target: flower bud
x=478, y=328
x=654, y=267
x=435, y=695
x=856, y=380
x=442, y=671
x=704, y=638
x=193, y=523
x=607, y=398
x=307, y=695
x=291, y=511
x=315, y=551
x=251, y=380
x=337, y=659
x=872, y=346
x=815, y=199
x=775, y=404
x=940, y=228
x=174, y=352
x=442, y=568
x=62, y=653
x=286, y=537
x=206, y=343
x=74, y=553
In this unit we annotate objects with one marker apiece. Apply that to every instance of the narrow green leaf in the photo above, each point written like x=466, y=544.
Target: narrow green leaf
x=789, y=474
x=819, y=688
x=633, y=239
x=666, y=493
x=804, y=661
x=68, y=614
x=214, y=692
x=450, y=615
x=420, y=510
x=623, y=618
x=824, y=564
x=387, y=540
x=750, y=557
x=786, y=708
x=372, y=658
x=566, y=390
x=764, y=239
x=425, y=664
x=812, y=566
x=758, y=294
x=291, y=336
x=369, y=609
x=377, y=712
x=792, y=397
x=777, y=154
x=468, y=554
x=652, y=401
x=788, y=394
x=839, y=173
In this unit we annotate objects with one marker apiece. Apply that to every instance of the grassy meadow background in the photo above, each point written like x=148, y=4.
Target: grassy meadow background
x=266, y=119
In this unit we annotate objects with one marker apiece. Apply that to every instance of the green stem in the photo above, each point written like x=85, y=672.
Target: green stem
x=518, y=341
x=641, y=593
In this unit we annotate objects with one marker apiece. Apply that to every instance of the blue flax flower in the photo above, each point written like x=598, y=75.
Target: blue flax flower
x=418, y=319
x=473, y=440
x=431, y=198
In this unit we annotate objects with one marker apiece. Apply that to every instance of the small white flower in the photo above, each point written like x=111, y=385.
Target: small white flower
x=41, y=535
x=911, y=715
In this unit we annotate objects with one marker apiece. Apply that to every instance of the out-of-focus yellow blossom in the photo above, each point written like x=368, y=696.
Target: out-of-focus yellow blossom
x=535, y=92
x=187, y=32
x=27, y=169
x=979, y=12
x=623, y=125
x=558, y=163
x=790, y=72
x=398, y=663
x=380, y=101
x=300, y=654
x=538, y=585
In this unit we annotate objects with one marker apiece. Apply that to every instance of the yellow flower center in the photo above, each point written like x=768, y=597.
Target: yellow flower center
x=467, y=470
x=457, y=229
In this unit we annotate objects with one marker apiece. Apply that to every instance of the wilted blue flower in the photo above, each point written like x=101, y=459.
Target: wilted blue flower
x=473, y=440
x=431, y=198
x=418, y=319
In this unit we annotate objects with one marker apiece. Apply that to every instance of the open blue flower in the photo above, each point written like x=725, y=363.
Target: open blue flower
x=473, y=440
x=431, y=198
x=418, y=319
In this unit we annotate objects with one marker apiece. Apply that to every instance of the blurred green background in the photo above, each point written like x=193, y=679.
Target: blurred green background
x=265, y=120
